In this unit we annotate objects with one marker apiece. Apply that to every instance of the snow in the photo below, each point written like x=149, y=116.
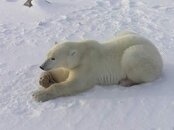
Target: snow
x=26, y=34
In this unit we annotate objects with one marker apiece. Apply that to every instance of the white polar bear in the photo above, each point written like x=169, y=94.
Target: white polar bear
x=127, y=60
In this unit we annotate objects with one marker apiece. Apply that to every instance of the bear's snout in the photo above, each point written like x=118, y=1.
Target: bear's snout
x=46, y=65
x=42, y=67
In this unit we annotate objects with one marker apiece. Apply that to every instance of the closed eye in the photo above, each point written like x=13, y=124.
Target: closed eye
x=52, y=58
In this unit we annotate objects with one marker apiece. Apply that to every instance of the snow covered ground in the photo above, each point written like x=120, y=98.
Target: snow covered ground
x=26, y=34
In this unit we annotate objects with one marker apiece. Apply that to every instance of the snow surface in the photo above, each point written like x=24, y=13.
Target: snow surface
x=26, y=34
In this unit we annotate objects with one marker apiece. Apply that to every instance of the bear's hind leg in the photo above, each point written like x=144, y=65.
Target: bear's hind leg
x=127, y=82
x=142, y=63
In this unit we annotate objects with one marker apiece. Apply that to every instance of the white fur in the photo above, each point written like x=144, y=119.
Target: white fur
x=128, y=56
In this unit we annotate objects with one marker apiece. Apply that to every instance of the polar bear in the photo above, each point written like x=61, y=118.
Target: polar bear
x=73, y=67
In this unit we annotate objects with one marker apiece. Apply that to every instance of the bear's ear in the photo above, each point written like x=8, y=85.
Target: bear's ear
x=73, y=52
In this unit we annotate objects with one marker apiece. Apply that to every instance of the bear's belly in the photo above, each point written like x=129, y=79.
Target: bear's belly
x=109, y=71
x=109, y=78
x=106, y=80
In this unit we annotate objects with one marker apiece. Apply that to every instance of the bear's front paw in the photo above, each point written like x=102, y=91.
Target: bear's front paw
x=46, y=80
x=42, y=96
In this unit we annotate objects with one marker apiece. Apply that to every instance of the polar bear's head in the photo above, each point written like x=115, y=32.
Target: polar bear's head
x=65, y=55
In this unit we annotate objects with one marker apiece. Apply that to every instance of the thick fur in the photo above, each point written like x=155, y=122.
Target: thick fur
x=53, y=76
x=128, y=59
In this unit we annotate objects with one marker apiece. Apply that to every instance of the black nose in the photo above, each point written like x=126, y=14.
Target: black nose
x=41, y=67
